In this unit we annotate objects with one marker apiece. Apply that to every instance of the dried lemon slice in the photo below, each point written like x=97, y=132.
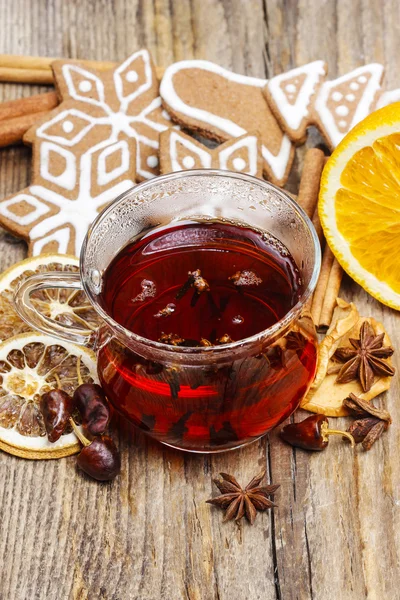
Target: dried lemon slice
x=70, y=307
x=30, y=365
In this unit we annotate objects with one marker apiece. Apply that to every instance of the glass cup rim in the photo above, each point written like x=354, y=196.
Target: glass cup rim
x=226, y=349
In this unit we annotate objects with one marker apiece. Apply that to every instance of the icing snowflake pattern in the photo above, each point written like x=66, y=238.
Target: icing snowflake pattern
x=100, y=140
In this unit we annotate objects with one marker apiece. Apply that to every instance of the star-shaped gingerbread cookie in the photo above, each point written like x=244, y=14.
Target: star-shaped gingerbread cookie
x=103, y=137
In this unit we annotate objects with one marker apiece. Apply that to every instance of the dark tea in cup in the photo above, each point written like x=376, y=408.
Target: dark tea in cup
x=205, y=284
x=201, y=281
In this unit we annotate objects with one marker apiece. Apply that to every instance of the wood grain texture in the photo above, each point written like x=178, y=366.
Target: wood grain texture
x=150, y=535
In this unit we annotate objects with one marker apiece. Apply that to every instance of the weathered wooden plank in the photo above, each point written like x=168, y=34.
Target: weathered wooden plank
x=150, y=535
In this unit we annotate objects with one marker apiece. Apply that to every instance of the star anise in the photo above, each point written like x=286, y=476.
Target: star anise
x=239, y=502
x=364, y=359
x=371, y=421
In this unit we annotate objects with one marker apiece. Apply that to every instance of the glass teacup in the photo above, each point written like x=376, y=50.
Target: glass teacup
x=200, y=399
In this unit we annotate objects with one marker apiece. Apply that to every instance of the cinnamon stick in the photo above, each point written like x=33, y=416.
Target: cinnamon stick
x=34, y=76
x=309, y=188
x=12, y=130
x=29, y=105
x=331, y=294
x=318, y=227
x=37, y=70
x=314, y=163
x=322, y=285
x=15, y=61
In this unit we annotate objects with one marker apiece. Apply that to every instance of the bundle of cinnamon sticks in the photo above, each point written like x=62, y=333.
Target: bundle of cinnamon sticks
x=323, y=301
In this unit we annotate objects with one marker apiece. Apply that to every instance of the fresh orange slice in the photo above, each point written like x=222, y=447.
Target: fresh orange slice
x=69, y=307
x=30, y=365
x=359, y=204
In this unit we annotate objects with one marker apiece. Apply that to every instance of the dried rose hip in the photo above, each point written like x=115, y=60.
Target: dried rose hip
x=57, y=407
x=92, y=404
x=100, y=459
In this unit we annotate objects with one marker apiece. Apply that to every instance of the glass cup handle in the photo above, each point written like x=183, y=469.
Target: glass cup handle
x=27, y=312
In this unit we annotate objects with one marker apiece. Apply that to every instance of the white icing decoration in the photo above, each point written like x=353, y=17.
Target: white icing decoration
x=294, y=114
x=350, y=97
x=248, y=142
x=165, y=114
x=152, y=161
x=239, y=163
x=290, y=88
x=277, y=163
x=39, y=211
x=61, y=237
x=118, y=78
x=66, y=179
x=82, y=210
x=362, y=79
x=337, y=96
x=132, y=76
x=354, y=86
x=89, y=78
x=364, y=105
x=388, y=98
x=342, y=110
x=188, y=162
x=121, y=150
x=85, y=86
x=68, y=115
x=120, y=121
x=201, y=153
x=342, y=123
x=68, y=126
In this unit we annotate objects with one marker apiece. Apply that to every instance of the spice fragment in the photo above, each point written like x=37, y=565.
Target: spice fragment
x=196, y=281
x=370, y=425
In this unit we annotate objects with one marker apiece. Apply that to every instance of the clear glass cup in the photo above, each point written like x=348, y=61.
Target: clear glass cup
x=203, y=399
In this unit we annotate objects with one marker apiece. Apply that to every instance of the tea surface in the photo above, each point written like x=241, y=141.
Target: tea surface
x=248, y=281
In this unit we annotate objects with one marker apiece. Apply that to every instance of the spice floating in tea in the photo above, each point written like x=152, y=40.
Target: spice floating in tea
x=206, y=280
x=196, y=281
x=238, y=502
x=171, y=339
x=166, y=312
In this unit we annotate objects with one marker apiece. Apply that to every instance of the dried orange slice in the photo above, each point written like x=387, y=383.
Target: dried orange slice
x=30, y=365
x=359, y=204
x=69, y=307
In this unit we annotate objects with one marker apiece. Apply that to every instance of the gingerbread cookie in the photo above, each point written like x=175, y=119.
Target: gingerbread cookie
x=290, y=97
x=100, y=140
x=343, y=102
x=221, y=105
x=179, y=151
x=332, y=106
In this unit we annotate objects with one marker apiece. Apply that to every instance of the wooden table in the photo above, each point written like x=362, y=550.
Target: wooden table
x=150, y=535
